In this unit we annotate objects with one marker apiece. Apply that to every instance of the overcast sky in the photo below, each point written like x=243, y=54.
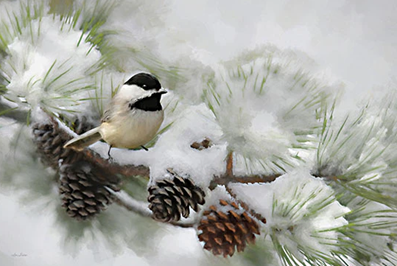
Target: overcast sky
x=355, y=41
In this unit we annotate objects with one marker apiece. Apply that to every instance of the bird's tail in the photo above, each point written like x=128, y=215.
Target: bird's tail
x=80, y=142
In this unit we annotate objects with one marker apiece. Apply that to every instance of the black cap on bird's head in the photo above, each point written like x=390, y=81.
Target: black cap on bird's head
x=145, y=81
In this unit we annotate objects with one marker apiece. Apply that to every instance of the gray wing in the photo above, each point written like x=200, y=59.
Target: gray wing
x=109, y=111
x=114, y=109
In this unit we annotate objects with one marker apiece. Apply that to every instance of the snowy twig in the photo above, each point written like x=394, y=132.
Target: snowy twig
x=141, y=208
x=228, y=177
x=187, y=224
x=123, y=199
x=131, y=204
x=245, y=206
x=114, y=168
x=142, y=170
x=16, y=114
x=229, y=164
x=248, y=179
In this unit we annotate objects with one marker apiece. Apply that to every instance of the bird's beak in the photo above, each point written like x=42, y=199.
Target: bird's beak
x=162, y=91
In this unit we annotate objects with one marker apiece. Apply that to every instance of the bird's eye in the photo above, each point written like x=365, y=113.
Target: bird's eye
x=144, y=85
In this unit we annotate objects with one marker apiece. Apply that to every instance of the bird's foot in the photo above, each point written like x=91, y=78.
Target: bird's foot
x=110, y=158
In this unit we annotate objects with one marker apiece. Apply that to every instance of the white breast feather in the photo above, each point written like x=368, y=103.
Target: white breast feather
x=133, y=129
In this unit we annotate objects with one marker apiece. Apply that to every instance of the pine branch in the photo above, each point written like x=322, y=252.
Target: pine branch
x=114, y=168
x=141, y=208
x=248, y=179
x=131, y=204
x=123, y=199
x=229, y=174
x=16, y=114
x=229, y=164
x=143, y=171
x=229, y=177
x=246, y=206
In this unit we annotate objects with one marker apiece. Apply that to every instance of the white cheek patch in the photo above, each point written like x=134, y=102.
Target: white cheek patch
x=132, y=92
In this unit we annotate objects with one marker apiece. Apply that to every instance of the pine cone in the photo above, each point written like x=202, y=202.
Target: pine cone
x=224, y=229
x=50, y=139
x=169, y=199
x=83, y=189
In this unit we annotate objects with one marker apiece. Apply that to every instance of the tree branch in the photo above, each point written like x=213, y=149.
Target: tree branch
x=141, y=208
x=123, y=199
x=229, y=165
x=249, y=179
x=186, y=224
x=141, y=170
x=245, y=206
x=16, y=114
x=229, y=177
x=114, y=168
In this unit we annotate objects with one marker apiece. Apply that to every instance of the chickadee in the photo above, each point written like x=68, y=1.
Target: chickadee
x=132, y=118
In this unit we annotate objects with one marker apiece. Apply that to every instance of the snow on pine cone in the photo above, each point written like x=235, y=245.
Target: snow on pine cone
x=227, y=227
x=49, y=139
x=171, y=198
x=83, y=191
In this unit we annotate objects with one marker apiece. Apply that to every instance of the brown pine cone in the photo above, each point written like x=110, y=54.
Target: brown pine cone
x=171, y=199
x=83, y=189
x=50, y=139
x=226, y=228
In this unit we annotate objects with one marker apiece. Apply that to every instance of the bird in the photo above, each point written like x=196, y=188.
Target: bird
x=132, y=117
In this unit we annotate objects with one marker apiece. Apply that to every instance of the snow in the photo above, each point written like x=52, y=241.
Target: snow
x=261, y=102
x=299, y=209
x=173, y=149
x=220, y=193
x=371, y=128
x=372, y=217
x=187, y=254
x=27, y=67
x=21, y=167
x=348, y=42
